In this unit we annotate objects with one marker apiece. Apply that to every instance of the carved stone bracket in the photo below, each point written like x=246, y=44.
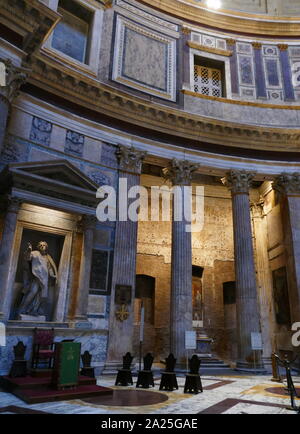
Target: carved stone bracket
x=130, y=159
x=88, y=222
x=238, y=181
x=179, y=172
x=15, y=77
x=287, y=183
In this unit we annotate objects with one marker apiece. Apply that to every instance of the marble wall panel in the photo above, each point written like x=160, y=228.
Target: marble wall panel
x=145, y=59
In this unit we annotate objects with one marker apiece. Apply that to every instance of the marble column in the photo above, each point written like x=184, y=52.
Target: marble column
x=6, y=252
x=120, y=339
x=260, y=81
x=14, y=78
x=288, y=185
x=264, y=280
x=248, y=321
x=288, y=88
x=88, y=224
x=179, y=173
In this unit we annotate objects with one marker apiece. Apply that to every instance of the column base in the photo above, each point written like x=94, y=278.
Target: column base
x=112, y=367
x=250, y=367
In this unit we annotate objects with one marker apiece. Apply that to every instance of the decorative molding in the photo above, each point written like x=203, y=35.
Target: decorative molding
x=283, y=47
x=218, y=51
x=256, y=45
x=180, y=172
x=147, y=16
x=13, y=204
x=121, y=105
x=34, y=20
x=229, y=21
x=287, y=183
x=130, y=159
x=231, y=41
x=239, y=102
x=238, y=182
x=185, y=31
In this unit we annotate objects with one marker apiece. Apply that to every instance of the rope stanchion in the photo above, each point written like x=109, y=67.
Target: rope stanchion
x=290, y=384
x=275, y=370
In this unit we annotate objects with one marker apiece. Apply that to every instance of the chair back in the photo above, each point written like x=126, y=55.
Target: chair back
x=43, y=337
x=86, y=359
x=127, y=360
x=194, y=364
x=19, y=351
x=148, y=360
x=170, y=363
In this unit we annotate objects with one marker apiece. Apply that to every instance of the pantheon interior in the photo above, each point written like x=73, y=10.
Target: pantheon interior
x=186, y=93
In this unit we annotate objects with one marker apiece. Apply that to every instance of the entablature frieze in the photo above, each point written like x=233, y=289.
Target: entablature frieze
x=94, y=95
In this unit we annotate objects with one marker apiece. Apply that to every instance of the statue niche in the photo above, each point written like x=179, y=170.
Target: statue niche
x=37, y=274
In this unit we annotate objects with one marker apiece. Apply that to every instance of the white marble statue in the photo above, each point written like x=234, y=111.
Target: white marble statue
x=39, y=270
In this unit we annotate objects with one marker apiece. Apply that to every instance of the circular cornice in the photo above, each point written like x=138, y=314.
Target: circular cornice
x=229, y=21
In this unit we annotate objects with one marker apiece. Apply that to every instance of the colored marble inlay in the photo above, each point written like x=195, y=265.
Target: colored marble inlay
x=272, y=72
x=233, y=69
x=259, y=74
x=246, y=70
x=145, y=60
x=287, y=75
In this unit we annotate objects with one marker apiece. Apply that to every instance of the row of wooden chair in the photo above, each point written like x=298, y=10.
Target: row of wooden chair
x=168, y=380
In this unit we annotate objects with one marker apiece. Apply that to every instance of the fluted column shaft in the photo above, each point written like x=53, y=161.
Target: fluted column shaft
x=6, y=252
x=120, y=339
x=88, y=227
x=14, y=78
x=264, y=281
x=181, y=315
x=288, y=185
x=246, y=292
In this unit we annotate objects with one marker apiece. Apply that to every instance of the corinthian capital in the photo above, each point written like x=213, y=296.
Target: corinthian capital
x=238, y=181
x=14, y=78
x=130, y=159
x=179, y=172
x=287, y=183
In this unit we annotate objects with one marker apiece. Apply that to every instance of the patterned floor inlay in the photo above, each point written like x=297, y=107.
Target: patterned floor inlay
x=228, y=404
x=128, y=398
x=217, y=384
x=281, y=390
x=13, y=409
x=268, y=390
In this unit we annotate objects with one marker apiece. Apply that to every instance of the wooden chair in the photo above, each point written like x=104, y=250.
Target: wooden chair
x=87, y=370
x=168, y=377
x=145, y=377
x=42, y=349
x=193, y=382
x=124, y=376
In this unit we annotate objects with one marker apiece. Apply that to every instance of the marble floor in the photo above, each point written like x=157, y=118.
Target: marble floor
x=222, y=394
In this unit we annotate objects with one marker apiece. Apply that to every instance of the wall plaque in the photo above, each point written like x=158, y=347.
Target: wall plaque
x=123, y=294
x=99, y=269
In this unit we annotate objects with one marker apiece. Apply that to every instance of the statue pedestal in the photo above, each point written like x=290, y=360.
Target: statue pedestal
x=39, y=318
x=204, y=346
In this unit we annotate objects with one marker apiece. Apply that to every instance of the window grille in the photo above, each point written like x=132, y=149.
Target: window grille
x=207, y=81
